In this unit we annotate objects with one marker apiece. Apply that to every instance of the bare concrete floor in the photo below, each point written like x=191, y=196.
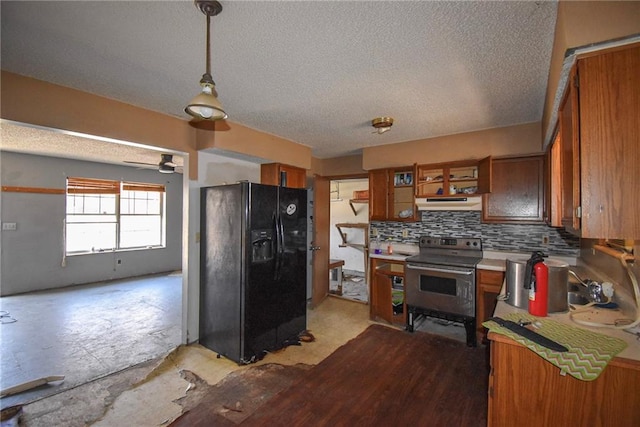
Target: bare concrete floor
x=86, y=332
x=149, y=394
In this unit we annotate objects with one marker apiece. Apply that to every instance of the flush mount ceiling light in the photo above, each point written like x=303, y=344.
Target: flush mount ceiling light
x=205, y=106
x=382, y=124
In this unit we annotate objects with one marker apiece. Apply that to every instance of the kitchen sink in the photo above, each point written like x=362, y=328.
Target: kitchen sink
x=577, y=298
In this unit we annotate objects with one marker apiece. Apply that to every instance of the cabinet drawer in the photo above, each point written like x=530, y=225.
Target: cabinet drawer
x=490, y=277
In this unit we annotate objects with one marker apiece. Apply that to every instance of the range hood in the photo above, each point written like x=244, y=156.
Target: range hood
x=453, y=203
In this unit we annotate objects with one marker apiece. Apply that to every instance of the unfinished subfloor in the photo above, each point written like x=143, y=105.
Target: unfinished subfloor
x=152, y=393
x=86, y=332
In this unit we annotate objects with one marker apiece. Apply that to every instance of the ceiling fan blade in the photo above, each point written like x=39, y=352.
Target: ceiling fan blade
x=140, y=163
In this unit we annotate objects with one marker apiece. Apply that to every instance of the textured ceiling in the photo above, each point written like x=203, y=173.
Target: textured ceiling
x=314, y=72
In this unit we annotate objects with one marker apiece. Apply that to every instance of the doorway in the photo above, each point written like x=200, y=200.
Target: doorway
x=349, y=239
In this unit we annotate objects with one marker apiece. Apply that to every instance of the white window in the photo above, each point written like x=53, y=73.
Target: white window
x=104, y=215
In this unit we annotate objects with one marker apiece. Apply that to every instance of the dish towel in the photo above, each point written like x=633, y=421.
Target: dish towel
x=589, y=352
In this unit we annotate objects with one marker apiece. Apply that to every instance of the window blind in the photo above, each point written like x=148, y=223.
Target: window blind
x=92, y=186
x=141, y=186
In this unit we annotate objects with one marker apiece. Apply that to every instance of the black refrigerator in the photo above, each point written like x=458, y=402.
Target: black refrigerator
x=253, y=269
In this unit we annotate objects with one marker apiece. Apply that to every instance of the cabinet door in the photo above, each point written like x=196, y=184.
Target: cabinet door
x=609, y=96
x=517, y=191
x=284, y=175
x=378, y=194
x=488, y=289
x=553, y=185
x=484, y=175
x=381, y=306
x=570, y=157
x=296, y=177
x=402, y=205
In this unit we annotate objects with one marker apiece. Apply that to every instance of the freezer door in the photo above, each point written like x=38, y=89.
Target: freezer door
x=222, y=227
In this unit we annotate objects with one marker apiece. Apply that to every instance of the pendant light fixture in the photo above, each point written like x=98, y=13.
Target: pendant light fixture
x=205, y=105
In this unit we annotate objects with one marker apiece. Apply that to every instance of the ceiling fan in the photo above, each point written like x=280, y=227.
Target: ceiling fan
x=166, y=165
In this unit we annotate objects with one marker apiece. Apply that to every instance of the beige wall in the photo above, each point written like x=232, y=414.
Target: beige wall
x=237, y=138
x=63, y=108
x=338, y=166
x=580, y=23
x=32, y=101
x=510, y=140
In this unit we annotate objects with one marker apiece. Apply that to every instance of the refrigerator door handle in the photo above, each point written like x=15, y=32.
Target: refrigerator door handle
x=276, y=255
x=280, y=248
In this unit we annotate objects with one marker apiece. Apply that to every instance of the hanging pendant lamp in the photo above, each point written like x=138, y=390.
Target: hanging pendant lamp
x=205, y=105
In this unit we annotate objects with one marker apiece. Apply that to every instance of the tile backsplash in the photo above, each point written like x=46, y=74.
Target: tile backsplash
x=495, y=237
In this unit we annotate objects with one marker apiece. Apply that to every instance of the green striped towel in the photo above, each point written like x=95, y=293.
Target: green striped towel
x=589, y=352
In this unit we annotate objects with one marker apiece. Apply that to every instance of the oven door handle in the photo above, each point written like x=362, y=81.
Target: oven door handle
x=439, y=270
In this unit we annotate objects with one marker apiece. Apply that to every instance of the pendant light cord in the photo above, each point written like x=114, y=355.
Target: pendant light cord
x=208, y=56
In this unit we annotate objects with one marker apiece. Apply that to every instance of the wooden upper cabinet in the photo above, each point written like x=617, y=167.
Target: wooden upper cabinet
x=466, y=177
x=600, y=146
x=569, y=153
x=284, y=175
x=553, y=184
x=609, y=100
x=378, y=194
x=391, y=194
x=517, y=193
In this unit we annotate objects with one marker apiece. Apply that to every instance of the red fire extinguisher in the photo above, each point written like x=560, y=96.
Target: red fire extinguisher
x=539, y=292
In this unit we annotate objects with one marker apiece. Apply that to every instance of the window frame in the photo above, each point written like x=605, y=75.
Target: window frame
x=82, y=186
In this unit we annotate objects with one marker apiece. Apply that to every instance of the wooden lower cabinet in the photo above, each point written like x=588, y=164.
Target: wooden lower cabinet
x=488, y=286
x=387, y=299
x=526, y=390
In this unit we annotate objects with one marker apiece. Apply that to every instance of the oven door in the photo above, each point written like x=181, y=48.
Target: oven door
x=441, y=288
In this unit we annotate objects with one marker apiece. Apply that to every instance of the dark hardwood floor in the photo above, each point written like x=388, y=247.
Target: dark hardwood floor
x=382, y=377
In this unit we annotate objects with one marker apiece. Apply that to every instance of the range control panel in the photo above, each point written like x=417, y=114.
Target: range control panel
x=450, y=242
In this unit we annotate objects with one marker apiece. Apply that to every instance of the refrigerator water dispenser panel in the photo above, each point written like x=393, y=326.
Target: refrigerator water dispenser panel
x=261, y=245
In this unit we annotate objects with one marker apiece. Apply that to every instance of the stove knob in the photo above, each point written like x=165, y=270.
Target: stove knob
x=468, y=243
x=475, y=243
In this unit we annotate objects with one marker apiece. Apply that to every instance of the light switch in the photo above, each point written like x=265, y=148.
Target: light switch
x=9, y=226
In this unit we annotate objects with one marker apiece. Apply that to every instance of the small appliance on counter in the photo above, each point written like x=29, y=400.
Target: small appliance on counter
x=517, y=295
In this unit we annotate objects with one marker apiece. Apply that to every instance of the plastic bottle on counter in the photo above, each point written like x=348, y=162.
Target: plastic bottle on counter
x=390, y=247
x=375, y=246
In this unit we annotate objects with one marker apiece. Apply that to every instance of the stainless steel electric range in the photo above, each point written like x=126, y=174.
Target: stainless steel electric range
x=441, y=281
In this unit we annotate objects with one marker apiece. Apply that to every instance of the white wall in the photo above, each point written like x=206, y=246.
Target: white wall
x=212, y=170
x=341, y=213
x=32, y=255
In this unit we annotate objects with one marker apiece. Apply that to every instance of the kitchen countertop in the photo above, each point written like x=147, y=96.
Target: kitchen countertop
x=400, y=252
x=631, y=352
x=496, y=260
x=392, y=257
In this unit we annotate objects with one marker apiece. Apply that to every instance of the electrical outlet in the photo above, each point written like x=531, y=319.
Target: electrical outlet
x=405, y=233
x=374, y=231
x=545, y=239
